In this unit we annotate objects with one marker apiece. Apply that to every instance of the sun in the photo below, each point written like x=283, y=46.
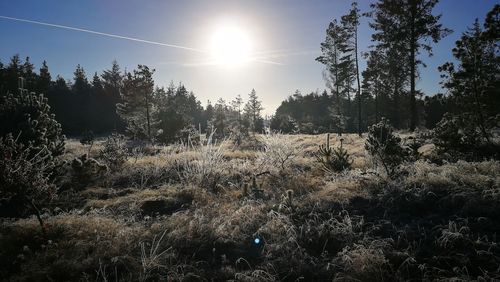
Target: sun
x=230, y=46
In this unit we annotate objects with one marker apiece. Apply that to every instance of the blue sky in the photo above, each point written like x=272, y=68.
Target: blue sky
x=290, y=29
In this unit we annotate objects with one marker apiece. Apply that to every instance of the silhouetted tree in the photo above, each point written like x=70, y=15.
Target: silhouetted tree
x=44, y=79
x=475, y=79
x=179, y=112
x=335, y=55
x=351, y=23
x=137, y=107
x=408, y=24
x=252, y=110
x=219, y=120
x=112, y=82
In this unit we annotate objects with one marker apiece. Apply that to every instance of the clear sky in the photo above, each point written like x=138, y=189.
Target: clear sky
x=285, y=36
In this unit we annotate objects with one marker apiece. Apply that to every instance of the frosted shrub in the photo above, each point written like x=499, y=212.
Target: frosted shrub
x=28, y=117
x=385, y=147
x=333, y=159
x=26, y=178
x=208, y=165
x=114, y=152
x=279, y=151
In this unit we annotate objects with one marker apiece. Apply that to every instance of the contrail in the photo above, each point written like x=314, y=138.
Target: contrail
x=105, y=34
x=261, y=59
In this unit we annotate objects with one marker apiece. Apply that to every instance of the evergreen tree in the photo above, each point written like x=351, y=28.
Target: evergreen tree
x=252, y=110
x=137, y=107
x=209, y=116
x=80, y=83
x=96, y=83
x=219, y=120
x=12, y=73
x=409, y=24
x=2, y=79
x=351, y=23
x=30, y=77
x=236, y=105
x=338, y=71
x=179, y=113
x=27, y=116
x=112, y=82
x=475, y=80
x=44, y=79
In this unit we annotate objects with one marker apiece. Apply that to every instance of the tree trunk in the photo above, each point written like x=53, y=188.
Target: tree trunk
x=148, y=118
x=479, y=110
x=38, y=215
x=376, y=99
x=397, y=119
x=413, y=46
x=337, y=87
x=357, y=76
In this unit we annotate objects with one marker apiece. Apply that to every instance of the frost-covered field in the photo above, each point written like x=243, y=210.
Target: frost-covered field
x=265, y=210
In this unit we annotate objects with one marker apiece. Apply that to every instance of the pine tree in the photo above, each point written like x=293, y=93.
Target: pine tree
x=29, y=75
x=27, y=116
x=80, y=82
x=409, y=24
x=338, y=71
x=179, y=113
x=236, y=105
x=96, y=84
x=252, y=110
x=2, y=78
x=475, y=80
x=351, y=23
x=12, y=72
x=220, y=116
x=137, y=107
x=208, y=116
x=44, y=79
x=112, y=82
x=372, y=77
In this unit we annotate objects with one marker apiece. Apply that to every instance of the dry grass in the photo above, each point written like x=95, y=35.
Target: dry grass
x=183, y=213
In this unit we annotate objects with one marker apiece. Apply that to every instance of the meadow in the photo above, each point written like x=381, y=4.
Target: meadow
x=263, y=210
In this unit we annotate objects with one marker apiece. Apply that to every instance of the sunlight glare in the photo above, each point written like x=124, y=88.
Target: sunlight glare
x=230, y=46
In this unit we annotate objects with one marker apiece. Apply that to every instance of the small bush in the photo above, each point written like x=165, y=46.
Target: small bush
x=458, y=138
x=331, y=159
x=27, y=116
x=279, y=151
x=207, y=167
x=86, y=169
x=385, y=147
x=25, y=182
x=114, y=152
x=88, y=139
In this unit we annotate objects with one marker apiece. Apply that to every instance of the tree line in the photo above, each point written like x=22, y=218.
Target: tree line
x=131, y=103
x=402, y=30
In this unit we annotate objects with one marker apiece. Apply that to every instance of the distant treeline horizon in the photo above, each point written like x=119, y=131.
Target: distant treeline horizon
x=131, y=102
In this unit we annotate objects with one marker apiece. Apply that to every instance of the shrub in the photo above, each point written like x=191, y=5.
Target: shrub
x=331, y=159
x=279, y=151
x=413, y=144
x=27, y=116
x=25, y=182
x=385, y=147
x=114, y=152
x=284, y=123
x=207, y=167
x=456, y=137
x=85, y=169
x=88, y=139
x=189, y=134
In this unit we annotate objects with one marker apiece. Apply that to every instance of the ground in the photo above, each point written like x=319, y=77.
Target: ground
x=193, y=213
